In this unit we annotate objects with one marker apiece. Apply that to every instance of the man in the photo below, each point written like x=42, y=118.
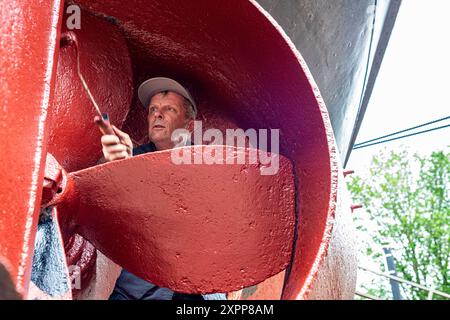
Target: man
x=170, y=107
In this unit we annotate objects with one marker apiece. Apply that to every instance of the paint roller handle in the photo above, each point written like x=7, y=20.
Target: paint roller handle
x=117, y=145
x=104, y=124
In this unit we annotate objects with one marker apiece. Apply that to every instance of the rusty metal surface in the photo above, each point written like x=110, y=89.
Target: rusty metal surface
x=49, y=271
x=192, y=228
x=28, y=50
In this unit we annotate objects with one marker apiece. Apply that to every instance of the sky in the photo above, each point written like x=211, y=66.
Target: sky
x=413, y=87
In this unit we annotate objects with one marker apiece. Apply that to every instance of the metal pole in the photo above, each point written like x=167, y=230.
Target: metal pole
x=396, y=295
x=440, y=293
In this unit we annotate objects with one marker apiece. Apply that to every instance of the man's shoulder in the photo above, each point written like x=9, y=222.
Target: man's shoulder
x=145, y=148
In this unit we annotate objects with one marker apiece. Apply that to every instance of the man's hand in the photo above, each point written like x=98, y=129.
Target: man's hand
x=117, y=146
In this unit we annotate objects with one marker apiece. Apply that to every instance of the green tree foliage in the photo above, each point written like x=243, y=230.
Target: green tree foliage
x=407, y=197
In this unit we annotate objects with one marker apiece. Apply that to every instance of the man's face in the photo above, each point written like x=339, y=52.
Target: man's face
x=166, y=113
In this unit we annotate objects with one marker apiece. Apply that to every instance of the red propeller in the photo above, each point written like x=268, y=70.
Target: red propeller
x=193, y=228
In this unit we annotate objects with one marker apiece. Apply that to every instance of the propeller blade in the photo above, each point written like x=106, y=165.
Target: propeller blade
x=194, y=228
x=27, y=76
